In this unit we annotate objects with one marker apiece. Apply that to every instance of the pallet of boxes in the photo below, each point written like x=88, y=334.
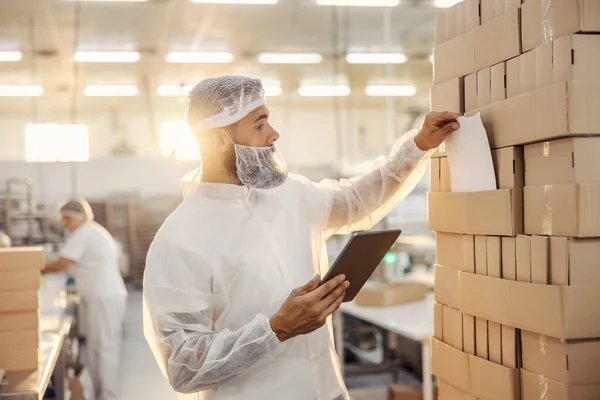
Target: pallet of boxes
x=20, y=270
x=517, y=280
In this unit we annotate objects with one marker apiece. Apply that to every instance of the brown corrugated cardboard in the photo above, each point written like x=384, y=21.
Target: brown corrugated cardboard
x=470, y=91
x=481, y=338
x=540, y=259
x=449, y=250
x=509, y=258
x=448, y=96
x=536, y=387
x=468, y=334
x=569, y=160
x=576, y=58
x=472, y=11
x=445, y=183
x=499, y=8
x=434, y=175
x=438, y=321
x=510, y=4
x=483, y=87
x=22, y=258
x=543, y=65
x=509, y=167
x=498, y=40
x=445, y=290
x=16, y=280
x=439, y=30
x=509, y=347
x=452, y=22
x=449, y=392
x=18, y=301
x=554, y=111
x=453, y=322
x=19, y=340
x=480, y=255
x=19, y=321
x=563, y=210
x=461, y=18
x=494, y=256
x=527, y=71
x=574, y=261
x=454, y=58
x=488, y=11
x=468, y=251
x=471, y=374
x=568, y=362
x=447, y=328
x=19, y=360
x=407, y=392
x=498, y=82
x=495, y=342
x=524, y=258
x=565, y=312
x=513, y=77
x=531, y=24
x=560, y=261
x=469, y=212
x=391, y=294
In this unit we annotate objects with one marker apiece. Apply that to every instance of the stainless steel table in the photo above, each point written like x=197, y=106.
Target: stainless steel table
x=31, y=385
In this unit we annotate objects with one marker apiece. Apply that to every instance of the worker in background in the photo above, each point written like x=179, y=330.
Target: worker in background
x=232, y=304
x=90, y=255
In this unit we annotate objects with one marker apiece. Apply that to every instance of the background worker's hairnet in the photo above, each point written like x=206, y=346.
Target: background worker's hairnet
x=78, y=209
x=223, y=101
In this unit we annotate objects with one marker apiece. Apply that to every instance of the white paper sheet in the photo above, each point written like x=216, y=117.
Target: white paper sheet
x=470, y=158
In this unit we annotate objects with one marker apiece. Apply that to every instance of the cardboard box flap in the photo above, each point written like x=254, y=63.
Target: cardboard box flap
x=22, y=258
x=539, y=387
x=584, y=103
x=450, y=365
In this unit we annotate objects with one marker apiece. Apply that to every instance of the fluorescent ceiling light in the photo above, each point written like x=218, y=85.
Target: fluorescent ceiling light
x=10, y=56
x=375, y=58
x=183, y=57
x=173, y=90
x=445, y=3
x=390, y=90
x=109, y=1
x=359, y=3
x=290, y=58
x=21, y=90
x=106, y=56
x=235, y=1
x=110, y=90
x=273, y=90
x=324, y=90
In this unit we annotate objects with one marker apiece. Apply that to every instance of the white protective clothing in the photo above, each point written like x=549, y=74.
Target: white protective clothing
x=260, y=167
x=99, y=282
x=226, y=260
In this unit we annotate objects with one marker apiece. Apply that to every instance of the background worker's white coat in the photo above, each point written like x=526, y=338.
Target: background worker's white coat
x=104, y=295
x=226, y=260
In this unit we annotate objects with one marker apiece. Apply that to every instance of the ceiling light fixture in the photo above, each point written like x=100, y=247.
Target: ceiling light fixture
x=10, y=56
x=391, y=90
x=240, y=2
x=173, y=90
x=272, y=90
x=359, y=3
x=290, y=58
x=106, y=56
x=189, y=57
x=109, y=1
x=376, y=58
x=110, y=90
x=21, y=90
x=324, y=90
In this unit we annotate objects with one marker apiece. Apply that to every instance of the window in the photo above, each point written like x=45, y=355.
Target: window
x=176, y=140
x=54, y=142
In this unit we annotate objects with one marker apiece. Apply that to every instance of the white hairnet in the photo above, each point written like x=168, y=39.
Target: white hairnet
x=223, y=101
x=79, y=209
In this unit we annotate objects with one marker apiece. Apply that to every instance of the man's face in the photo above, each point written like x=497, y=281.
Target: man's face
x=255, y=129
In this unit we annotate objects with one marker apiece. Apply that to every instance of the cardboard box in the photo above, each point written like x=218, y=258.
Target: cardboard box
x=469, y=213
x=554, y=111
x=406, y=392
x=513, y=77
x=536, y=387
x=470, y=91
x=19, y=321
x=498, y=40
x=468, y=324
x=22, y=258
x=499, y=8
x=567, y=362
x=524, y=258
x=455, y=250
x=481, y=338
x=509, y=166
x=576, y=58
x=564, y=312
x=540, y=259
x=19, y=360
x=511, y=4
x=509, y=258
x=495, y=342
x=452, y=22
x=461, y=18
x=391, y=294
x=448, y=96
x=488, y=11
x=19, y=279
x=445, y=182
x=574, y=261
x=438, y=321
x=569, y=160
x=439, y=29
x=481, y=255
x=449, y=392
x=498, y=82
x=543, y=65
x=447, y=328
x=494, y=256
x=569, y=210
x=19, y=340
x=484, y=96
x=471, y=374
x=509, y=347
x=531, y=25
x=527, y=81
x=468, y=251
x=445, y=290
x=472, y=11
x=452, y=327
x=19, y=301
x=454, y=58
x=434, y=175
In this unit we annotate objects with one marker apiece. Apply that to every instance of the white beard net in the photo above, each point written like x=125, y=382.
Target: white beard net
x=260, y=167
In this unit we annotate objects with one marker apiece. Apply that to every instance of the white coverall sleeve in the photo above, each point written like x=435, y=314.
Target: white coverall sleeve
x=182, y=309
x=361, y=202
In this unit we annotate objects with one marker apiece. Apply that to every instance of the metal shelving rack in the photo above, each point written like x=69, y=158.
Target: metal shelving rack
x=17, y=205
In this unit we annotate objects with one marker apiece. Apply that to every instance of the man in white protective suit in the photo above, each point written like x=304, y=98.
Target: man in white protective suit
x=232, y=304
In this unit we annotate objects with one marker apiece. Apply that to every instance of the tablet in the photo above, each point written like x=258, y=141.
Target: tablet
x=360, y=257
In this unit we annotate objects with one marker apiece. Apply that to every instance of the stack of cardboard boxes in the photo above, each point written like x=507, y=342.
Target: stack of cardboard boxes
x=20, y=270
x=517, y=277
